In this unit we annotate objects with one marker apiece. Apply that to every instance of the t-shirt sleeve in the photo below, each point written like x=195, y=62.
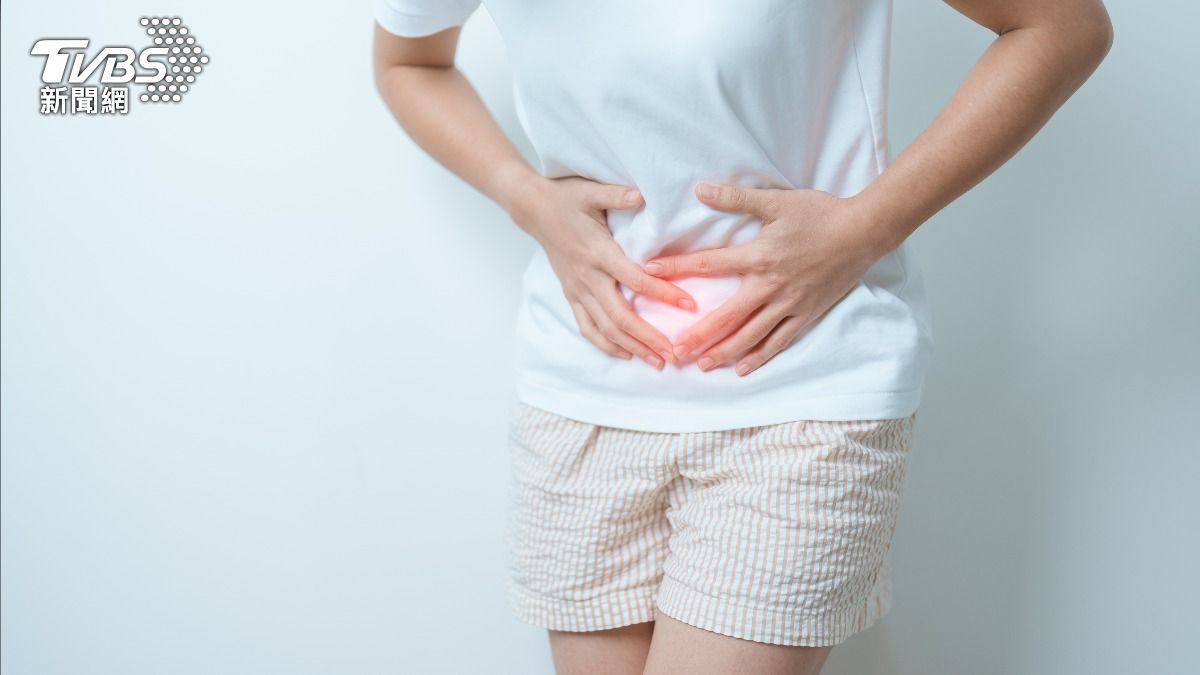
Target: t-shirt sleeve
x=414, y=18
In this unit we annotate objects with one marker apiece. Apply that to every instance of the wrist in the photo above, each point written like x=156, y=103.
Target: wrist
x=516, y=185
x=879, y=231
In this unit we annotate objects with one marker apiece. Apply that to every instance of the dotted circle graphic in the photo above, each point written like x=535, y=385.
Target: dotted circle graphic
x=185, y=58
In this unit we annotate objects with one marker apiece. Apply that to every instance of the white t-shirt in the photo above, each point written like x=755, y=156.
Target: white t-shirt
x=661, y=95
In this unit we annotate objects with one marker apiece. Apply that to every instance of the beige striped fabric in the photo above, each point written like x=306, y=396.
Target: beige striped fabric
x=777, y=534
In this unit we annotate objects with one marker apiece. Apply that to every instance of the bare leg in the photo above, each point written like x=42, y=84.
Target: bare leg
x=617, y=651
x=678, y=648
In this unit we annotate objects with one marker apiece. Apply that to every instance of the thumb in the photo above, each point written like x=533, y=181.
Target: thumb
x=735, y=198
x=616, y=197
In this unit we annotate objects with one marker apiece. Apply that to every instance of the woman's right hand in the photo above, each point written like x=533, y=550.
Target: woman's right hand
x=568, y=217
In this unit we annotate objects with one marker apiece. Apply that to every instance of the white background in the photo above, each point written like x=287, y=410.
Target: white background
x=256, y=369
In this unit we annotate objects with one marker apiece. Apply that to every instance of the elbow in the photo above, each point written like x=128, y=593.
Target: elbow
x=1101, y=41
x=385, y=75
x=1085, y=42
x=378, y=72
x=1096, y=36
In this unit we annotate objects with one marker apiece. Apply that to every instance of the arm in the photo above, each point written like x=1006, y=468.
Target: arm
x=815, y=247
x=440, y=110
x=442, y=113
x=1043, y=53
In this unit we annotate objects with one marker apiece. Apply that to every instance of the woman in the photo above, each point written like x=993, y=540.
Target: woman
x=723, y=335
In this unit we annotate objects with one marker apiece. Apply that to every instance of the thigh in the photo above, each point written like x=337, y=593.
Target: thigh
x=616, y=651
x=678, y=649
x=781, y=533
x=588, y=529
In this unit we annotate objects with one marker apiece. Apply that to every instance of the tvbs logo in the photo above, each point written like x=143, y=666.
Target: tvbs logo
x=167, y=69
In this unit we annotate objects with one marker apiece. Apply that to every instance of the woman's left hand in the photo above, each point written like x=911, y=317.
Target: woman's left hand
x=814, y=247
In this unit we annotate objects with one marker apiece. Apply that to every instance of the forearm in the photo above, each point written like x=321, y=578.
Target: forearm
x=440, y=110
x=1024, y=76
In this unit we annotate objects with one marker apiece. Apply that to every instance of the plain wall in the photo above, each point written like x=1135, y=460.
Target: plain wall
x=256, y=369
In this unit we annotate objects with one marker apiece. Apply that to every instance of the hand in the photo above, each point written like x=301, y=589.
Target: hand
x=568, y=218
x=814, y=247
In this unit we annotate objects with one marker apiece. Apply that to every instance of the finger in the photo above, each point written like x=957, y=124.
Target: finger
x=710, y=262
x=778, y=340
x=720, y=323
x=635, y=278
x=603, y=196
x=587, y=328
x=743, y=339
x=627, y=321
x=609, y=329
x=737, y=199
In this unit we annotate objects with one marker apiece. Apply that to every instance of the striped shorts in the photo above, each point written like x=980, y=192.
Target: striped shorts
x=777, y=534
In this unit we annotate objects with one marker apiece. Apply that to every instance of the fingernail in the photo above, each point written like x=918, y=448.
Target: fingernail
x=654, y=268
x=626, y=355
x=666, y=355
x=631, y=196
x=653, y=360
x=686, y=303
x=682, y=352
x=705, y=363
x=743, y=368
x=708, y=190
